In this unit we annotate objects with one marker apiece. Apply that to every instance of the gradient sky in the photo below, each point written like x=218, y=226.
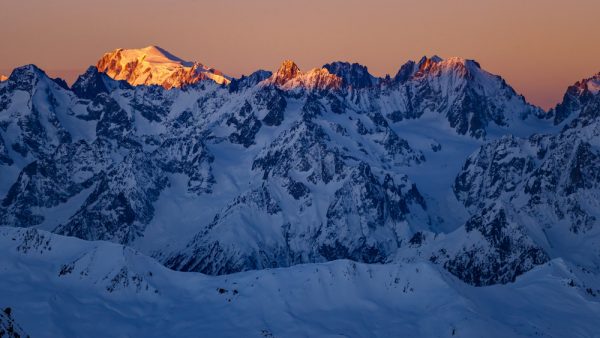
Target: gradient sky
x=539, y=46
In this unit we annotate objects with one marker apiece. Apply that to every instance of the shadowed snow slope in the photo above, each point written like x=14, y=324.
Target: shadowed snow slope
x=59, y=286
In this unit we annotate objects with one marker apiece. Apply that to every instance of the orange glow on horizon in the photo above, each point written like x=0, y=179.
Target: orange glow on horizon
x=539, y=46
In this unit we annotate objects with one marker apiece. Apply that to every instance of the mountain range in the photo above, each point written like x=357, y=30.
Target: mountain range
x=431, y=198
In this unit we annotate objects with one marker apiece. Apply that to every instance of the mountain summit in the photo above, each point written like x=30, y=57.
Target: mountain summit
x=289, y=76
x=155, y=66
x=576, y=97
x=3, y=78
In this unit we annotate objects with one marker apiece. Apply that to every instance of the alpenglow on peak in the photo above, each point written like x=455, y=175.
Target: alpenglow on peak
x=153, y=65
x=289, y=76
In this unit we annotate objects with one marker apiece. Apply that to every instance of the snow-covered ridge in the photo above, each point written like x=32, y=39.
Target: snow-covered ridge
x=577, y=96
x=84, y=283
x=3, y=78
x=153, y=65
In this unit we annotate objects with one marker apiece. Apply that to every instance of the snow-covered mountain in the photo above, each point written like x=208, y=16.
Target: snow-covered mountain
x=291, y=167
x=441, y=168
x=153, y=65
x=547, y=186
x=3, y=77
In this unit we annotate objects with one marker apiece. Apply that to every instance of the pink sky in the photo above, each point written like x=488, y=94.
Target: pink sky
x=539, y=46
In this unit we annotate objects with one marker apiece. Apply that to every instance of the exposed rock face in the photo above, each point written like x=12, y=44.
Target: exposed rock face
x=501, y=250
x=287, y=71
x=9, y=327
x=33, y=109
x=548, y=185
x=93, y=82
x=576, y=98
x=155, y=66
x=353, y=75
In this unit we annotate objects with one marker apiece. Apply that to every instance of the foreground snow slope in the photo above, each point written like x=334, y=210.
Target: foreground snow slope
x=60, y=286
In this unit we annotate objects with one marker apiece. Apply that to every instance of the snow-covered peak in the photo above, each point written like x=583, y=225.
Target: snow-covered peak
x=435, y=66
x=29, y=69
x=576, y=98
x=289, y=77
x=29, y=76
x=467, y=94
x=26, y=77
x=591, y=85
x=93, y=82
x=3, y=78
x=287, y=71
x=153, y=65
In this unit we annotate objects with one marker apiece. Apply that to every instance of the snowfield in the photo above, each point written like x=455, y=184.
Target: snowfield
x=65, y=287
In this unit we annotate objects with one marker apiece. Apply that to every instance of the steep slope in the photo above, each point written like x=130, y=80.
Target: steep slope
x=61, y=286
x=471, y=99
x=547, y=185
x=153, y=65
x=575, y=99
x=91, y=83
x=37, y=114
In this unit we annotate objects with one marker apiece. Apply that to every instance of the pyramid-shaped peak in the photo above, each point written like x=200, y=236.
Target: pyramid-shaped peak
x=287, y=71
x=30, y=72
x=30, y=68
x=26, y=77
x=289, y=68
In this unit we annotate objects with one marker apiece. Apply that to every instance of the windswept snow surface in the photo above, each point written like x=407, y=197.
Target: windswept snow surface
x=65, y=287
